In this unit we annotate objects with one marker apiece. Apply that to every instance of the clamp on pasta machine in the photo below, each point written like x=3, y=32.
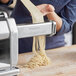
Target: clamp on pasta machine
x=9, y=34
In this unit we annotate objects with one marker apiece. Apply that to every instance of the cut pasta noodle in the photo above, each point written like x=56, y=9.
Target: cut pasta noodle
x=40, y=58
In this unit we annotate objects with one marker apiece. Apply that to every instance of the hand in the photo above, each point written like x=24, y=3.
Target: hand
x=48, y=10
x=45, y=9
x=4, y=1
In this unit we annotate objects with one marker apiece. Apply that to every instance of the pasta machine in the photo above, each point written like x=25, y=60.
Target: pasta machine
x=9, y=35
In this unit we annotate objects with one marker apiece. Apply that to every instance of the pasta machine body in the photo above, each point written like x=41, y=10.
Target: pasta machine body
x=10, y=32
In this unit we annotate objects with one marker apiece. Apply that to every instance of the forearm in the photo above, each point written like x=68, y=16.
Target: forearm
x=4, y=1
x=56, y=18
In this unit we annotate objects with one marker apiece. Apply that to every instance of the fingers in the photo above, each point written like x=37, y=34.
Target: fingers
x=50, y=8
x=42, y=9
x=44, y=13
x=46, y=8
x=42, y=6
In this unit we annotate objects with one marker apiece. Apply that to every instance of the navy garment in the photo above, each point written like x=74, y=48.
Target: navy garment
x=66, y=9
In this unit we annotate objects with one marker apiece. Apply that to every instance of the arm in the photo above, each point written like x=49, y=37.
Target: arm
x=68, y=15
x=48, y=10
x=66, y=18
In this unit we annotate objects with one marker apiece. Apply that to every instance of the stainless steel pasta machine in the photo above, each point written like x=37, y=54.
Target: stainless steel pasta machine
x=9, y=35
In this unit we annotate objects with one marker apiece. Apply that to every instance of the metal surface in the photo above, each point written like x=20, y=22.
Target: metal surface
x=3, y=66
x=8, y=72
x=47, y=28
x=10, y=32
x=13, y=42
x=4, y=31
x=3, y=15
x=53, y=28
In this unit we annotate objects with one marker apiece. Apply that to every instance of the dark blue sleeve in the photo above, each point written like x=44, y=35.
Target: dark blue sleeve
x=10, y=2
x=68, y=15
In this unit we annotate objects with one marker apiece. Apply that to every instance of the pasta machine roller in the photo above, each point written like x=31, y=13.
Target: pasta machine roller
x=9, y=35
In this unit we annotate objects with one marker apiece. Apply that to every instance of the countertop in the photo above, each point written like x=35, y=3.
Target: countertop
x=63, y=63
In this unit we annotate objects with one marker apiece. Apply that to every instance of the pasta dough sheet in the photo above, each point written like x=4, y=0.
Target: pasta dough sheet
x=40, y=58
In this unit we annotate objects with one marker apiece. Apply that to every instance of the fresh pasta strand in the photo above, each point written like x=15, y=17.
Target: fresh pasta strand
x=40, y=58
